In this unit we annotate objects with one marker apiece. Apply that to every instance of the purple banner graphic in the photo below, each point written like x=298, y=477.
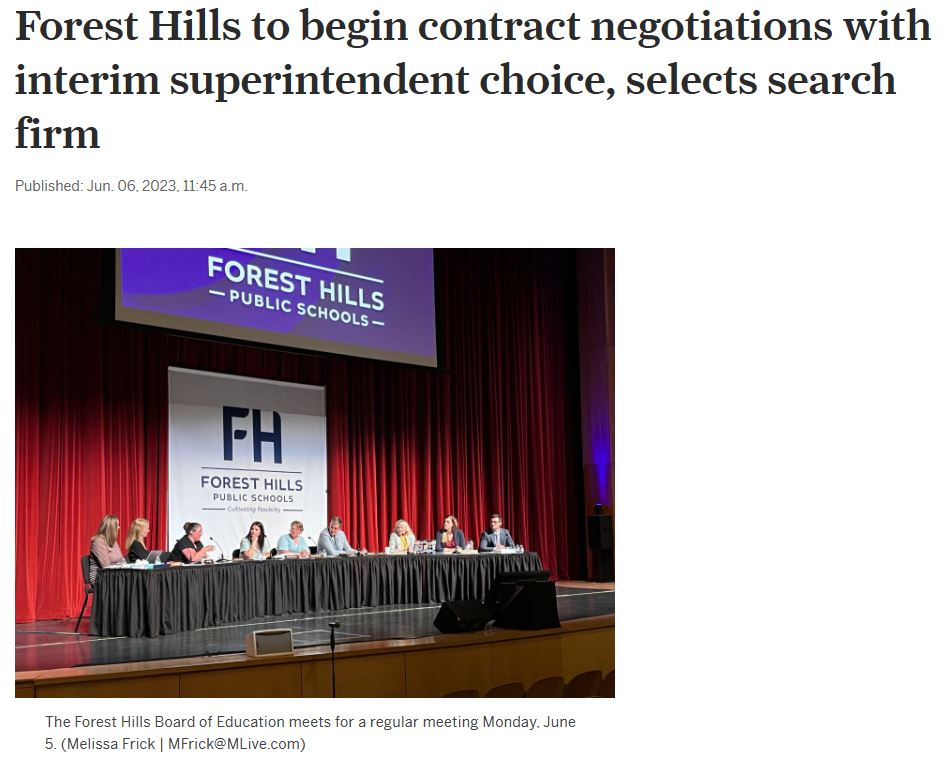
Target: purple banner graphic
x=362, y=302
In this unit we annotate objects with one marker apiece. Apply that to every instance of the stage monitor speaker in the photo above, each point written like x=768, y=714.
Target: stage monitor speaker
x=262, y=643
x=504, y=585
x=528, y=606
x=462, y=617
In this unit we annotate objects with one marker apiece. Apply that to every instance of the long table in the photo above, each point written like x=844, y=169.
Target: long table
x=135, y=602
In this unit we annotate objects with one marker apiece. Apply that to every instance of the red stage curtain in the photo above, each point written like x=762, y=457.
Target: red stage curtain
x=495, y=430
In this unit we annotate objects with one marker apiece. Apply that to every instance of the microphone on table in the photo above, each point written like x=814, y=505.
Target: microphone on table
x=218, y=546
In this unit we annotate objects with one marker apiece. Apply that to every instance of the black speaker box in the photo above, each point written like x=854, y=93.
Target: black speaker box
x=600, y=532
x=600, y=535
x=528, y=606
x=462, y=617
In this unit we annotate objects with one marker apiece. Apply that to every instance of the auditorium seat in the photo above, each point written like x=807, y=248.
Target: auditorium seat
x=608, y=687
x=515, y=689
x=584, y=685
x=462, y=693
x=87, y=587
x=551, y=686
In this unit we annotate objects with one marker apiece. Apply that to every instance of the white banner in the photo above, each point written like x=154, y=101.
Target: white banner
x=242, y=450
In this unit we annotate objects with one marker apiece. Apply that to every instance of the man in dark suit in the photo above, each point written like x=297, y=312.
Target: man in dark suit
x=496, y=538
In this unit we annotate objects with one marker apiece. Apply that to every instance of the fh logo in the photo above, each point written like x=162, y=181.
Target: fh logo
x=260, y=436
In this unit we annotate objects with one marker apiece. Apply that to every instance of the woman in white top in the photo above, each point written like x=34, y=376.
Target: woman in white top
x=402, y=537
x=255, y=547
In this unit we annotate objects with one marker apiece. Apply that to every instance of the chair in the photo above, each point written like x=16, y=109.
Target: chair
x=236, y=554
x=462, y=693
x=608, y=687
x=546, y=687
x=584, y=685
x=273, y=552
x=515, y=689
x=89, y=587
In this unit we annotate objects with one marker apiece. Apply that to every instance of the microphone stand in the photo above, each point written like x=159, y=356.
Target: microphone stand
x=218, y=546
x=333, y=627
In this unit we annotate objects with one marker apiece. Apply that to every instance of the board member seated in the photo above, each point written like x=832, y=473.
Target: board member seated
x=450, y=537
x=190, y=549
x=496, y=538
x=402, y=537
x=104, y=547
x=333, y=542
x=255, y=546
x=294, y=542
x=135, y=541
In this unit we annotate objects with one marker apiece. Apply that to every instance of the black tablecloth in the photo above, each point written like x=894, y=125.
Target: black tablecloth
x=130, y=602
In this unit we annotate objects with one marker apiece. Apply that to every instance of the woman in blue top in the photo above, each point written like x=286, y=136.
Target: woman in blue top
x=294, y=542
x=450, y=537
x=255, y=546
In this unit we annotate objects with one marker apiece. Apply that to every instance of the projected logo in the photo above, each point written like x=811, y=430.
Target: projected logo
x=376, y=303
x=277, y=288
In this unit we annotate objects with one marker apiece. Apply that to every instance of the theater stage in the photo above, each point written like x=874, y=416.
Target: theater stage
x=49, y=651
